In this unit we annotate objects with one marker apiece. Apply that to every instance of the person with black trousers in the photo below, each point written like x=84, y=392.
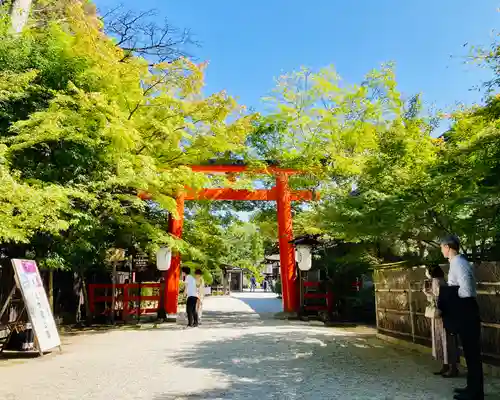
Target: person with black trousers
x=192, y=297
x=461, y=315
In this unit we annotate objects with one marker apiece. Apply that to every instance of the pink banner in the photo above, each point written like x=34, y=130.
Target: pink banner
x=29, y=266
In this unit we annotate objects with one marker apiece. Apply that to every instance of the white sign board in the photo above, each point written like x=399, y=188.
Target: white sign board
x=34, y=296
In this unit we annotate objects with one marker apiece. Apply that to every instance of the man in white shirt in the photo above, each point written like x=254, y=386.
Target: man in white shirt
x=192, y=297
x=461, y=274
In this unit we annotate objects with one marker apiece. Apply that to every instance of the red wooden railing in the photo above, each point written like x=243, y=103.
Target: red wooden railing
x=328, y=296
x=124, y=298
x=357, y=285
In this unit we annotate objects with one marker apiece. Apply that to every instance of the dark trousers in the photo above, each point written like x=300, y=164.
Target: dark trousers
x=192, y=310
x=470, y=336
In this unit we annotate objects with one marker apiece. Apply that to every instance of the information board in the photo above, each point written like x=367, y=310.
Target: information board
x=37, y=305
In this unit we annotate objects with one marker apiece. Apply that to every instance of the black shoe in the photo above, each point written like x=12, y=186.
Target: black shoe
x=443, y=370
x=468, y=396
x=452, y=373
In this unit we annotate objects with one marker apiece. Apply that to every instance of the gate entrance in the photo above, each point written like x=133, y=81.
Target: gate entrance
x=283, y=197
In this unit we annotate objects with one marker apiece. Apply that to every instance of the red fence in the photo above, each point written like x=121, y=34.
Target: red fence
x=316, y=294
x=123, y=298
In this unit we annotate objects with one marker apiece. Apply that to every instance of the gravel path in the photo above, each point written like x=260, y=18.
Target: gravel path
x=239, y=352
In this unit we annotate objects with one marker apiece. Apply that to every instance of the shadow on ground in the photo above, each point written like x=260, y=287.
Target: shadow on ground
x=289, y=362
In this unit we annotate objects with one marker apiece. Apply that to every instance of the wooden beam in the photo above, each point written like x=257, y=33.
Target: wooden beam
x=222, y=169
x=248, y=195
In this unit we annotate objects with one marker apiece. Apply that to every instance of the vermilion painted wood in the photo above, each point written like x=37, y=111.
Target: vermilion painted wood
x=315, y=295
x=93, y=299
x=283, y=197
x=172, y=276
x=222, y=169
x=104, y=299
x=122, y=285
x=248, y=195
x=287, y=250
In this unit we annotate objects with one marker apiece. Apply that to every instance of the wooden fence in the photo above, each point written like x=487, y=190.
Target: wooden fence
x=400, y=304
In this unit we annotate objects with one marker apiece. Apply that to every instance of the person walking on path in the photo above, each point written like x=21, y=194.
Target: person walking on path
x=253, y=284
x=192, y=297
x=468, y=321
x=444, y=344
x=200, y=286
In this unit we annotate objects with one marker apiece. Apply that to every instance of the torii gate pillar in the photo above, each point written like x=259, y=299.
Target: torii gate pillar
x=172, y=275
x=287, y=252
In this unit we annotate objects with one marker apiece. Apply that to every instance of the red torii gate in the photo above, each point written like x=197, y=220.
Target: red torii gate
x=283, y=196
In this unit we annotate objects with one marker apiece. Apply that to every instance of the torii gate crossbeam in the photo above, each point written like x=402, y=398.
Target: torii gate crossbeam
x=283, y=196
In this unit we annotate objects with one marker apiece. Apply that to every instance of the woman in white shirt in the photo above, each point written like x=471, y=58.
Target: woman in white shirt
x=444, y=345
x=200, y=285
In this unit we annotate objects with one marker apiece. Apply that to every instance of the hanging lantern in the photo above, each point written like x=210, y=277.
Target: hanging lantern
x=269, y=269
x=303, y=256
x=163, y=259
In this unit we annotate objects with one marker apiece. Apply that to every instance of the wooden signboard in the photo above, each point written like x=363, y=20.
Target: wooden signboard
x=30, y=284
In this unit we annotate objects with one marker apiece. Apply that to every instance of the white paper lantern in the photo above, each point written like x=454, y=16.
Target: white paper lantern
x=303, y=257
x=163, y=258
x=269, y=269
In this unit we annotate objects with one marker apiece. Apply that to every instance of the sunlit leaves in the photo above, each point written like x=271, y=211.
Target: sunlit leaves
x=86, y=129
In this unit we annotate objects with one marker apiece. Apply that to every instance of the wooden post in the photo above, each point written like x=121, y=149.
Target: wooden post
x=139, y=304
x=7, y=301
x=412, y=313
x=301, y=292
x=226, y=287
x=89, y=313
x=287, y=252
x=172, y=276
x=125, y=303
x=113, y=293
x=162, y=314
x=376, y=299
x=91, y=300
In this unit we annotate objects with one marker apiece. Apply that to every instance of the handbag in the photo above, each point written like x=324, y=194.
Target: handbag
x=431, y=311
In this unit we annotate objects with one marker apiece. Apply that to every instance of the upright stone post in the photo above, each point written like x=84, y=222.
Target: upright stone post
x=172, y=275
x=287, y=253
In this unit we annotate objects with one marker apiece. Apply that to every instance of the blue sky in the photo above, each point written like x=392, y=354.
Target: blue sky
x=248, y=44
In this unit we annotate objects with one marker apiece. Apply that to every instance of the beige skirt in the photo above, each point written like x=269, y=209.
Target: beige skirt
x=444, y=345
x=200, y=309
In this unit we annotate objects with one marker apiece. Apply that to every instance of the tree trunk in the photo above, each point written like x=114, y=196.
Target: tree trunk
x=113, y=294
x=19, y=14
x=88, y=316
x=77, y=292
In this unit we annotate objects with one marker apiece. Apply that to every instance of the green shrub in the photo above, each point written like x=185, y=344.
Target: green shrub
x=148, y=291
x=277, y=288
